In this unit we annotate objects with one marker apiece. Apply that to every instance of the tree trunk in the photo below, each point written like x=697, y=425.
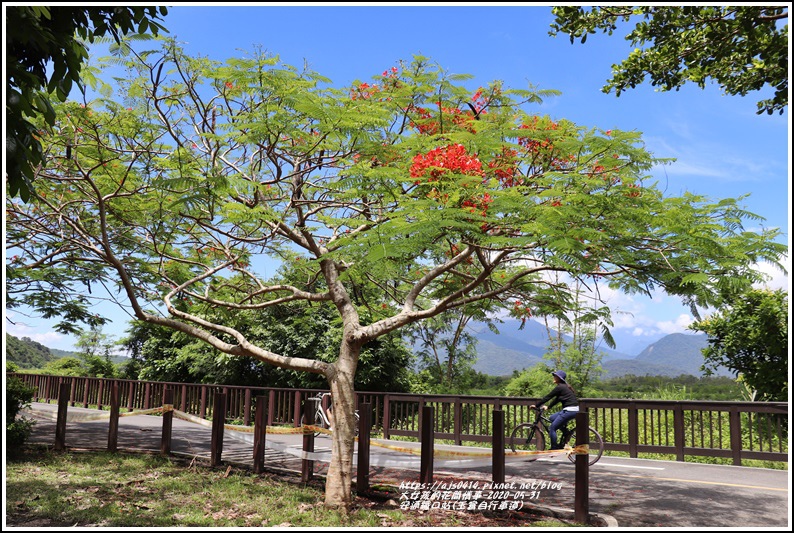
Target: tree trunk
x=339, y=481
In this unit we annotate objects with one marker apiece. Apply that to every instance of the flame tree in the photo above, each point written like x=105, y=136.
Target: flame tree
x=409, y=194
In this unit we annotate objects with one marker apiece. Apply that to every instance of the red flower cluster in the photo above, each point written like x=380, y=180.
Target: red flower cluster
x=532, y=144
x=479, y=102
x=428, y=123
x=365, y=91
x=635, y=191
x=505, y=168
x=521, y=310
x=439, y=161
x=478, y=204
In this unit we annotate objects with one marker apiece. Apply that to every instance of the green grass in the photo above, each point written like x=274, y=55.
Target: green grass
x=140, y=490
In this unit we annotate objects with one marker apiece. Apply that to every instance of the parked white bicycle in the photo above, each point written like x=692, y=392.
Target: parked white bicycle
x=323, y=417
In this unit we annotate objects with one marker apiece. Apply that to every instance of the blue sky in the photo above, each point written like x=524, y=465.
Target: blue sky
x=723, y=149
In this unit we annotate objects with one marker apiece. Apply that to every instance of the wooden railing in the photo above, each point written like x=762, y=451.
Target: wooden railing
x=735, y=430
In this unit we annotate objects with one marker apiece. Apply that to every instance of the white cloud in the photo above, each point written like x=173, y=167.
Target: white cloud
x=679, y=325
x=21, y=327
x=778, y=279
x=51, y=339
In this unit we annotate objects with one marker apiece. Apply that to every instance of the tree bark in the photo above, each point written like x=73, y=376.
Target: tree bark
x=339, y=481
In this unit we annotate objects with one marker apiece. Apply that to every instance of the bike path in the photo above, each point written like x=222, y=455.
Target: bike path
x=623, y=492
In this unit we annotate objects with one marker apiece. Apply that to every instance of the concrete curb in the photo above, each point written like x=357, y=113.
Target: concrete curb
x=598, y=520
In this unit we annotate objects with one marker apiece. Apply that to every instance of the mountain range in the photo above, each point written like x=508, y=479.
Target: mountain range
x=499, y=354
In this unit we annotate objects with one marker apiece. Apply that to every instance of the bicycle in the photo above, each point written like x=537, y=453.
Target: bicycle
x=322, y=418
x=530, y=436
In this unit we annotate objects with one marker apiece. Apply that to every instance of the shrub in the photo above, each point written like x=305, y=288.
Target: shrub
x=18, y=396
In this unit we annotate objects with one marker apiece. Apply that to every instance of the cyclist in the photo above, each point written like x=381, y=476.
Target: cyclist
x=562, y=393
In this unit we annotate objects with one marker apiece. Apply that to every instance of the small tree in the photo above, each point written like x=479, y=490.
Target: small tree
x=750, y=337
x=411, y=196
x=447, y=350
x=574, y=338
x=95, y=349
x=531, y=382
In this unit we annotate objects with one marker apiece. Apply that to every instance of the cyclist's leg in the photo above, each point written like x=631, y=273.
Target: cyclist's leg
x=558, y=420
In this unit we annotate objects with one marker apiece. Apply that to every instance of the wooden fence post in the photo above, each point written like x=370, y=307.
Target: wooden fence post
x=131, y=395
x=458, y=421
x=147, y=388
x=678, y=431
x=247, y=407
x=60, y=423
x=218, y=420
x=260, y=433
x=203, y=409
x=307, y=465
x=364, y=429
x=427, y=436
x=100, y=394
x=498, y=446
x=271, y=407
x=168, y=420
x=735, y=428
x=113, y=426
x=582, y=475
x=386, y=420
x=86, y=391
x=72, y=389
x=634, y=424
x=296, y=411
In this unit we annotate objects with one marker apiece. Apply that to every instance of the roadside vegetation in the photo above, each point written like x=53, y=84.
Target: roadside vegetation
x=140, y=490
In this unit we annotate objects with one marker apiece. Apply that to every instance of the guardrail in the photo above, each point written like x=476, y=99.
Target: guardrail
x=736, y=430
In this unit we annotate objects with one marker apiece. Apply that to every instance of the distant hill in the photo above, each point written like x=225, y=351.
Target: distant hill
x=27, y=353
x=496, y=360
x=499, y=354
x=672, y=355
x=515, y=349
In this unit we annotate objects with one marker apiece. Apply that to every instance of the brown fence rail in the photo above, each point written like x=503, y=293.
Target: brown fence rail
x=734, y=430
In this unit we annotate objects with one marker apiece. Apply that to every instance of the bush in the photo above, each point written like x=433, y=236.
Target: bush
x=18, y=396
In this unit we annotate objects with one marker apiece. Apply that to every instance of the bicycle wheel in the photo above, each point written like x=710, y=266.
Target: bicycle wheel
x=526, y=437
x=595, y=446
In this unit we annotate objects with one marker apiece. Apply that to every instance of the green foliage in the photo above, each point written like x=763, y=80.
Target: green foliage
x=39, y=38
x=751, y=338
x=531, y=383
x=65, y=366
x=295, y=330
x=98, y=367
x=685, y=387
x=743, y=48
x=18, y=396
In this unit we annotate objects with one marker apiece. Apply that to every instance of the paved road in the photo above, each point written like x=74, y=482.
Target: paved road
x=623, y=492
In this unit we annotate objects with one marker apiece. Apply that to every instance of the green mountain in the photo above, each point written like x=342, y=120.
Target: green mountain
x=27, y=353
